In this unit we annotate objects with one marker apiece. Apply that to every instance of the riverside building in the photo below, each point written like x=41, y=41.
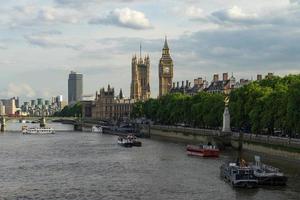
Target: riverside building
x=107, y=106
x=140, y=77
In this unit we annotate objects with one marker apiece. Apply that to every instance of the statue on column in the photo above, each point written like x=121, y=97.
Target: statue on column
x=226, y=116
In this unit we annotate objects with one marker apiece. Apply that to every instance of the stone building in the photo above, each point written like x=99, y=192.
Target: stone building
x=140, y=78
x=165, y=70
x=199, y=85
x=108, y=107
x=221, y=86
x=103, y=106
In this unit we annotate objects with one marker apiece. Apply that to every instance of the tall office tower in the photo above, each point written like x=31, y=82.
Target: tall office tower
x=74, y=87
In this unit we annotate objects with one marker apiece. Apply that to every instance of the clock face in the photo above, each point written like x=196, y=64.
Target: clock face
x=166, y=70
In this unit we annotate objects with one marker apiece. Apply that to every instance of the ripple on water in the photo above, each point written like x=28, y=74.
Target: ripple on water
x=91, y=166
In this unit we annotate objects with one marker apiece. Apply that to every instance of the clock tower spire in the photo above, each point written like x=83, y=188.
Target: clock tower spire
x=165, y=70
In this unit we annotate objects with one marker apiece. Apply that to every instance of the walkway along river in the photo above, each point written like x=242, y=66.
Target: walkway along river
x=79, y=165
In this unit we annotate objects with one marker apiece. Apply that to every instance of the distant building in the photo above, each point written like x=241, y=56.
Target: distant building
x=221, y=86
x=270, y=75
x=42, y=107
x=140, y=78
x=104, y=104
x=108, y=107
x=199, y=85
x=75, y=87
x=242, y=83
x=2, y=109
x=165, y=70
x=10, y=106
x=87, y=106
x=259, y=77
x=40, y=101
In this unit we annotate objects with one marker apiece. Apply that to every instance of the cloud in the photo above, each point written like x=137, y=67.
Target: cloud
x=22, y=90
x=236, y=18
x=31, y=15
x=234, y=15
x=52, y=14
x=192, y=12
x=82, y=3
x=124, y=17
x=2, y=46
x=295, y=2
x=50, y=40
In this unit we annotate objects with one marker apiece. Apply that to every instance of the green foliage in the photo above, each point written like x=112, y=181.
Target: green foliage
x=202, y=110
x=265, y=106
x=70, y=111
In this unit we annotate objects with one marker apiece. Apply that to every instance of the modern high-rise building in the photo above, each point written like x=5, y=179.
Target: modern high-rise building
x=74, y=87
x=10, y=106
x=165, y=70
x=140, y=80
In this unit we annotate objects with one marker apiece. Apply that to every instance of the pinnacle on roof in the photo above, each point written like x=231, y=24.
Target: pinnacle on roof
x=166, y=46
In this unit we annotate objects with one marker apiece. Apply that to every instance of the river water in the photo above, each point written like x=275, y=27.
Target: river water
x=81, y=165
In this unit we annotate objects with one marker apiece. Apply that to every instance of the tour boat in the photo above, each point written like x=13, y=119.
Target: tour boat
x=268, y=175
x=134, y=140
x=97, y=129
x=26, y=130
x=23, y=121
x=125, y=142
x=129, y=141
x=202, y=150
x=239, y=175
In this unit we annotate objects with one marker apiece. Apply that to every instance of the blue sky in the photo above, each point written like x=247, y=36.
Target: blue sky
x=42, y=41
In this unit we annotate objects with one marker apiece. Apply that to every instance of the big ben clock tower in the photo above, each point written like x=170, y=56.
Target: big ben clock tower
x=165, y=70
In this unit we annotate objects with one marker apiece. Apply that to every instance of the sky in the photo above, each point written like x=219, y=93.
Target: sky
x=41, y=41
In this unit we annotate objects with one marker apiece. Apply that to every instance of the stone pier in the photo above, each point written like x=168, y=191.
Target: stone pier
x=2, y=122
x=43, y=122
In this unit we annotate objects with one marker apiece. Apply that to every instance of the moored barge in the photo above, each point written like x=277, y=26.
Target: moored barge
x=202, y=150
x=268, y=175
x=238, y=175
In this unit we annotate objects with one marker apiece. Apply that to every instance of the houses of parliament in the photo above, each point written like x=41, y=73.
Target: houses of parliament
x=109, y=106
x=140, y=79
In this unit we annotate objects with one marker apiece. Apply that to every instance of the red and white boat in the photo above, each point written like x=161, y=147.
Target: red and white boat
x=202, y=150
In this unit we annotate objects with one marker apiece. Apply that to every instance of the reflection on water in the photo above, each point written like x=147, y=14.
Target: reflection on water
x=75, y=165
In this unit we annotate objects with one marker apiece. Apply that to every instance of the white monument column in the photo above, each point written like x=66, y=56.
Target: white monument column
x=226, y=117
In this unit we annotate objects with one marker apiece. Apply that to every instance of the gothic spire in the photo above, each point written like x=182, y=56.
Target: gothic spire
x=166, y=46
x=121, y=94
x=140, y=50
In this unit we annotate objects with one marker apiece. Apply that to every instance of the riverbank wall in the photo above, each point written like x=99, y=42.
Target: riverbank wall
x=275, y=146
x=186, y=134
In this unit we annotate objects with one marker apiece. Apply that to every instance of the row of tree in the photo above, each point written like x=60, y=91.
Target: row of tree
x=202, y=110
x=265, y=106
x=70, y=111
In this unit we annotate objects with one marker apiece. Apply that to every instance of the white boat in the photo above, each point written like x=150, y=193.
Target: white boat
x=26, y=130
x=23, y=121
x=97, y=129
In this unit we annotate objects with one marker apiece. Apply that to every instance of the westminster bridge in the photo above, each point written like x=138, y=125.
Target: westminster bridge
x=41, y=120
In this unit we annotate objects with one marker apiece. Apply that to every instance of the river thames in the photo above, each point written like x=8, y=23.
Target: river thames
x=81, y=165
